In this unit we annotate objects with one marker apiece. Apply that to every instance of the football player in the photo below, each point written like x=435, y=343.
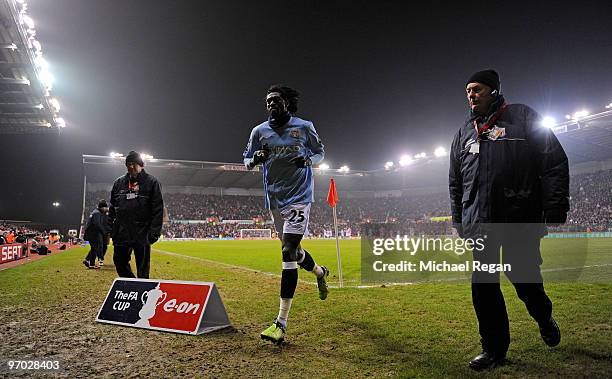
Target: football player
x=287, y=146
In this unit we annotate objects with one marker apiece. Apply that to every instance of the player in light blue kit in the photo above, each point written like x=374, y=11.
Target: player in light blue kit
x=287, y=147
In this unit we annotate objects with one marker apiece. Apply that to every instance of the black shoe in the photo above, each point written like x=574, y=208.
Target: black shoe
x=89, y=265
x=550, y=333
x=486, y=361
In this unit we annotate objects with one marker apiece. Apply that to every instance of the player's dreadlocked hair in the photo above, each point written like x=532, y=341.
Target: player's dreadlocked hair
x=289, y=94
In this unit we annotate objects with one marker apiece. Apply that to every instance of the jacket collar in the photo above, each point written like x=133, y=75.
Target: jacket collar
x=493, y=108
x=138, y=177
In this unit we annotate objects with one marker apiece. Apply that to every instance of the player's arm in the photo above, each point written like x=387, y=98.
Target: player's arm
x=553, y=168
x=315, y=148
x=254, y=152
x=455, y=181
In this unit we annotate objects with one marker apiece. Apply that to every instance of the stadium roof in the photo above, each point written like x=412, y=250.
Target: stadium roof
x=26, y=105
x=588, y=138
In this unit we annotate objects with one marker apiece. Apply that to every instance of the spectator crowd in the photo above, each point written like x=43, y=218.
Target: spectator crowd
x=11, y=232
x=591, y=202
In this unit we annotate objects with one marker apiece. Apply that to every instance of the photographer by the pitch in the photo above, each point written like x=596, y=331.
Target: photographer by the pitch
x=136, y=213
x=508, y=177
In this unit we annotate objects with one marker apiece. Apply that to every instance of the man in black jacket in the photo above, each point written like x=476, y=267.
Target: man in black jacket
x=96, y=229
x=509, y=177
x=136, y=214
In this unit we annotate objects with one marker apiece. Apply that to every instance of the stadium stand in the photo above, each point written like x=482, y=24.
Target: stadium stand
x=591, y=202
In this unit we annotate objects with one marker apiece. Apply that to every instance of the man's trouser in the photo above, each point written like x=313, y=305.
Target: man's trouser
x=95, y=248
x=122, y=255
x=103, y=250
x=521, y=250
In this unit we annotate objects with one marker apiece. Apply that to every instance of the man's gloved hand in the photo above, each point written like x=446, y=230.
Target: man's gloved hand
x=152, y=238
x=554, y=217
x=301, y=161
x=260, y=156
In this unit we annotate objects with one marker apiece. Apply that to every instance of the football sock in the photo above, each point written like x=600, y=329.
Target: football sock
x=289, y=279
x=318, y=271
x=283, y=312
x=308, y=264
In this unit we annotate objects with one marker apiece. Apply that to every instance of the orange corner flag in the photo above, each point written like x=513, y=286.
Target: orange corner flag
x=332, y=195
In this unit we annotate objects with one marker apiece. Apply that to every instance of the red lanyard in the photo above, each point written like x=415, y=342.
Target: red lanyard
x=491, y=121
x=132, y=186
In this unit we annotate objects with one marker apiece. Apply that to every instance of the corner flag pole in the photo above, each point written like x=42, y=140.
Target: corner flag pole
x=332, y=199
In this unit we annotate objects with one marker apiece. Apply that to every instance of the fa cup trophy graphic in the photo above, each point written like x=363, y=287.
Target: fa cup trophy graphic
x=150, y=300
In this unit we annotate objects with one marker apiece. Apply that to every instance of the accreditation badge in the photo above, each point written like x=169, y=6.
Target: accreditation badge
x=475, y=148
x=496, y=133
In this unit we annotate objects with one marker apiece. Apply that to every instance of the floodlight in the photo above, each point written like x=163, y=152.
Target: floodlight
x=40, y=62
x=580, y=114
x=405, y=160
x=55, y=104
x=548, y=122
x=46, y=78
x=27, y=20
x=440, y=152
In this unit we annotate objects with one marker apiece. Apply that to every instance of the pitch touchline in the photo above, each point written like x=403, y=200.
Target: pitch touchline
x=236, y=267
x=575, y=268
x=226, y=265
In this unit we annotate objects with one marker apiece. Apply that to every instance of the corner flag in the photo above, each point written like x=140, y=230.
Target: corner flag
x=332, y=195
x=332, y=199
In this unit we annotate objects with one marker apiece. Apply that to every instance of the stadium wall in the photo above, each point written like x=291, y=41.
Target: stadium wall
x=590, y=167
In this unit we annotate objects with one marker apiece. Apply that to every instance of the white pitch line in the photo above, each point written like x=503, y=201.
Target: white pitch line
x=236, y=267
x=575, y=268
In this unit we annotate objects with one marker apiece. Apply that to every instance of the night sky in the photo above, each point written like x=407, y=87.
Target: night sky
x=186, y=79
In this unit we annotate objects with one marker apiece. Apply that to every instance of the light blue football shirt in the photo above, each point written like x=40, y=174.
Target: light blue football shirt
x=284, y=182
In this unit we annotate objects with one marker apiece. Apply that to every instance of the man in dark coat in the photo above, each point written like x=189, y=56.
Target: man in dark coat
x=136, y=214
x=95, y=230
x=509, y=177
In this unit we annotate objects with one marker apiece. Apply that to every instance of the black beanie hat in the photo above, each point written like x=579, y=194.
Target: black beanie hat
x=134, y=157
x=102, y=204
x=488, y=77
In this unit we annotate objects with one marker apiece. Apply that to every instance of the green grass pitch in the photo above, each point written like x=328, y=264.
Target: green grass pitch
x=428, y=329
